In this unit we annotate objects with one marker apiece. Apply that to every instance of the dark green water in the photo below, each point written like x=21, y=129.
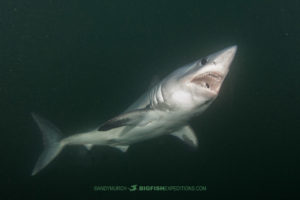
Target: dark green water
x=78, y=63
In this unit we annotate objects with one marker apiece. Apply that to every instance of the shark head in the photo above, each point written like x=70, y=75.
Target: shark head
x=198, y=84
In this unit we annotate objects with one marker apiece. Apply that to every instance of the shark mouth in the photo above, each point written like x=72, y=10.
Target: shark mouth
x=210, y=80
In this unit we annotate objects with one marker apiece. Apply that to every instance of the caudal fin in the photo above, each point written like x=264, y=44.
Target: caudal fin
x=51, y=140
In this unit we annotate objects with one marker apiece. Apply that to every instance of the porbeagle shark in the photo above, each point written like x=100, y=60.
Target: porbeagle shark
x=165, y=109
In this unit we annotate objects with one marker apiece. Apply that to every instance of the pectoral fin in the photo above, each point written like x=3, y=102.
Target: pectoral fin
x=132, y=118
x=187, y=135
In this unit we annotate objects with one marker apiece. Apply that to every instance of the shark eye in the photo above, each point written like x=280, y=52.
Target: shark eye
x=207, y=85
x=203, y=61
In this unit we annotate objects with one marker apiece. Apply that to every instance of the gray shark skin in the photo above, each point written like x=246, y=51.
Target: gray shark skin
x=163, y=110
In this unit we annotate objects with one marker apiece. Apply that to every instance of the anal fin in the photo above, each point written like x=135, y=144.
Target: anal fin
x=88, y=146
x=187, y=135
x=122, y=148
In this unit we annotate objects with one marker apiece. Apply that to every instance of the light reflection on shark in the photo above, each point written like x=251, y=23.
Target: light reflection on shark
x=165, y=109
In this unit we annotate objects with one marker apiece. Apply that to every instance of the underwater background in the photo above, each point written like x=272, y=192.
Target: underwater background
x=79, y=63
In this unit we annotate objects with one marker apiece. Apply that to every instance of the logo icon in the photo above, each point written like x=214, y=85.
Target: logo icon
x=133, y=188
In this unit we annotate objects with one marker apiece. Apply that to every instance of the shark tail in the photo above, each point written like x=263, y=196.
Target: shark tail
x=51, y=140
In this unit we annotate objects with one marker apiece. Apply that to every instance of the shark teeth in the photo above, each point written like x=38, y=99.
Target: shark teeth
x=209, y=80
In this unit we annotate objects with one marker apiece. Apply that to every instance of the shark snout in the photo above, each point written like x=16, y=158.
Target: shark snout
x=223, y=59
x=212, y=74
